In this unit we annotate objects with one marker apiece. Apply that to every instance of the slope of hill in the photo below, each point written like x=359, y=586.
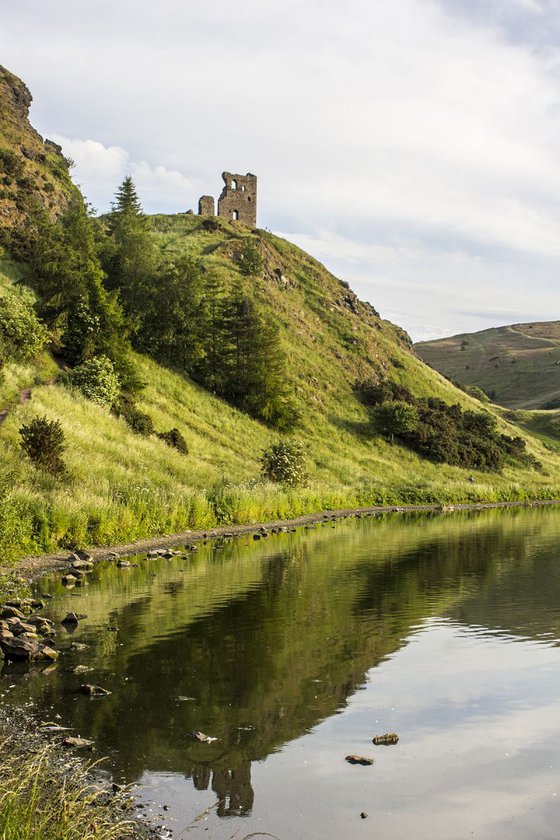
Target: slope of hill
x=517, y=366
x=33, y=171
x=123, y=486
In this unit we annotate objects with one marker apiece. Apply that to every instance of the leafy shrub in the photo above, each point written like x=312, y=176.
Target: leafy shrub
x=395, y=417
x=10, y=162
x=250, y=259
x=372, y=392
x=175, y=439
x=138, y=421
x=284, y=463
x=43, y=441
x=97, y=380
x=448, y=434
x=22, y=335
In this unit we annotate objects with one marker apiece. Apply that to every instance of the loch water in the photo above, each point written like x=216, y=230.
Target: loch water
x=296, y=650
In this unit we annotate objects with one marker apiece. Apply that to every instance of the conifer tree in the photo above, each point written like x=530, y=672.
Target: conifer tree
x=131, y=263
x=126, y=199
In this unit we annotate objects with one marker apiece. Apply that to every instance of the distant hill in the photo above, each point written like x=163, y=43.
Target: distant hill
x=517, y=366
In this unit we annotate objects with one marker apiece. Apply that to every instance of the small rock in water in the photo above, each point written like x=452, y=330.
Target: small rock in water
x=200, y=736
x=256, y=536
x=77, y=743
x=78, y=646
x=93, y=690
x=82, y=565
x=81, y=669
x=73, y=618
x=123, y=564
x=387, y=739
x=359, y=759
x=69, y=580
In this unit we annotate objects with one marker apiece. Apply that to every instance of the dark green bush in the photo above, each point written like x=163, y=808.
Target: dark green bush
x=175, y=439
x=138, y=421
x=372, y=392
x=10, y=162
x=43, y=442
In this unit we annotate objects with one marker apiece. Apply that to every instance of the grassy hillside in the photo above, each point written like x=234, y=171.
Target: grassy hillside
x=519, y=365
x=123, y=486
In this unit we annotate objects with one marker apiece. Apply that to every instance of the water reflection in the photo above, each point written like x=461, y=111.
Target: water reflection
x=259, y=643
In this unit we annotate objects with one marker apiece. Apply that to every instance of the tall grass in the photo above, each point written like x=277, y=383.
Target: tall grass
x=39, y=801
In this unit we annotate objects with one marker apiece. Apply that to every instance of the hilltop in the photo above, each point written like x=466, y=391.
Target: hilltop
x=123, y=485
x=517, y=366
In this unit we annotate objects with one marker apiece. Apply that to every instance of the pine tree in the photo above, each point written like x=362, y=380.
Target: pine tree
x=126, y=199
x=131, y=263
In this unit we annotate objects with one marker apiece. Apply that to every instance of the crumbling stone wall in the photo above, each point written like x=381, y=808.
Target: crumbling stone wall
x=238, y=200
x=206, y=206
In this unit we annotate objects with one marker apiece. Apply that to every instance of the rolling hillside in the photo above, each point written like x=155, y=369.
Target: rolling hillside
x=123, y=486
x=517, y=366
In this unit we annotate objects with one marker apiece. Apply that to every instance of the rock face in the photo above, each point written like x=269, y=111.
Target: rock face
x=359, y=759
x=35, y=171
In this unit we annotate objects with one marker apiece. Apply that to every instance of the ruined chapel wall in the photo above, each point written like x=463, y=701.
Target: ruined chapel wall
x=239, y=195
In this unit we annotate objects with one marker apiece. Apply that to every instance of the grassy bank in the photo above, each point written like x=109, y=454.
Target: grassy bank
x=124, y=487
x=46, y=794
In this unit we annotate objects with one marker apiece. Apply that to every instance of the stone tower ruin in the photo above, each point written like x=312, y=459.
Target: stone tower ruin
x=237, y=202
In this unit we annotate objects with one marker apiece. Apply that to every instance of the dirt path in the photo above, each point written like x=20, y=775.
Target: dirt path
x=33, y=567
x=23, y=397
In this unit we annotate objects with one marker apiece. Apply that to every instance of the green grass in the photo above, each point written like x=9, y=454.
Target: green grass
x=38, y=801
x=520, y=364
x=124, y=487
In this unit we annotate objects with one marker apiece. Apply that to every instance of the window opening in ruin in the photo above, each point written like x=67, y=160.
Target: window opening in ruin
x=235, y=215
x=249, y=198
x=234, y=185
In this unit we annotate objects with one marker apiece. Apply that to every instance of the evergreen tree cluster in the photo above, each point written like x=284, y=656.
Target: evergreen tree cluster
x=104, y=289
x=186, y=318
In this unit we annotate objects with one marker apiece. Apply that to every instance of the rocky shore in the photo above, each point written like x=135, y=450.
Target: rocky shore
x=33, y=567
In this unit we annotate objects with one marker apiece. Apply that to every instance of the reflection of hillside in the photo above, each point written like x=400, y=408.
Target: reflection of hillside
x=520, y=597
x=268, y=638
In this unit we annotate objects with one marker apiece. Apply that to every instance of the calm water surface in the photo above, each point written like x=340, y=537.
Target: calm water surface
x=296, y=650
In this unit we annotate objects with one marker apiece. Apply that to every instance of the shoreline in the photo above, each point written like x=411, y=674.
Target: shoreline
x=36, y=565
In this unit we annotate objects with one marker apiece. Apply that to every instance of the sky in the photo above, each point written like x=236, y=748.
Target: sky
x=413, y=146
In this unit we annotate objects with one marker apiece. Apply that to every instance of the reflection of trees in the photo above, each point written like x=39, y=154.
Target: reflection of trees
x=271, y=639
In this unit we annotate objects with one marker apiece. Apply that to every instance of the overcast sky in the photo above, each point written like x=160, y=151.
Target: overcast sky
x=413, y=146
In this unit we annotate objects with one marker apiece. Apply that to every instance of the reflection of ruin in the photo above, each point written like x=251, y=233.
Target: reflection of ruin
x=232, y=786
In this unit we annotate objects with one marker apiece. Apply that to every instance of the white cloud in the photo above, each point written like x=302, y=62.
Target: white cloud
x=425, y=129
x=100, y=169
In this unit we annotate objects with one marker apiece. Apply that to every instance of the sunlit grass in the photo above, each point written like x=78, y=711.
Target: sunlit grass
x=123, y=487
x=38, y=801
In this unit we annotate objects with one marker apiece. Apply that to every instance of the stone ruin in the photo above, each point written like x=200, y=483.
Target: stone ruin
x=237, y=202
